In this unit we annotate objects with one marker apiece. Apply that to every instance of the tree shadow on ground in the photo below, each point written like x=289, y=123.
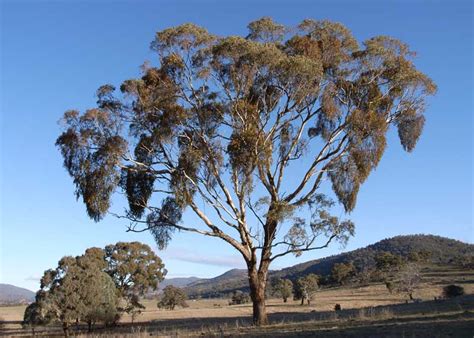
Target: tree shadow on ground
x=322, y=321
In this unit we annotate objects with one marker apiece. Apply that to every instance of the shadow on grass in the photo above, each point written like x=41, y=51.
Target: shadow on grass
x=324, y=320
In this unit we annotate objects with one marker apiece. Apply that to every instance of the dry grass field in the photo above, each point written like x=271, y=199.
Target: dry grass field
x=369, y=311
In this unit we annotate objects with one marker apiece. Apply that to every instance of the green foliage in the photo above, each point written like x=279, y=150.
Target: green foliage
x=305, y=287
x=451, y=291
x=239, y=297
x=101, y=299
x=266, y=30
x=135, y=269
x=385, y=261
x=90, y=288
x=341, y=272
x=283, y=288
x=34, y=315
x=172, y=297
x=78, y=289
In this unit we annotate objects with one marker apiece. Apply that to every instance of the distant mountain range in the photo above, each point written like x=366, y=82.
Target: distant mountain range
x=10, y=294
x=443, y=251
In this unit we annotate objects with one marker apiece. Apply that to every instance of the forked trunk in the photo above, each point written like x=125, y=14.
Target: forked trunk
x=257, y=283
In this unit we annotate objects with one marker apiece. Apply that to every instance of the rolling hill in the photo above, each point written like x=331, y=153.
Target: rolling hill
x=217, y=286
x=10, y=294
x=179, y=282
x=443, y=251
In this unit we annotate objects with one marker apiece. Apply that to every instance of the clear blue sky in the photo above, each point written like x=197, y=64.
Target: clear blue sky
x=54, y=54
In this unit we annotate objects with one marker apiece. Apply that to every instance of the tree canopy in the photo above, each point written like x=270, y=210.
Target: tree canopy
x=135, y=269
x=172, y=296
x=283, y=288
x=306, y=286
x=91, y=288
x=77, y=290
x=222, y=121
x=341, y=272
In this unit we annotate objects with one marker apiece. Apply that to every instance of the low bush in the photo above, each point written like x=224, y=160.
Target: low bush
x=239, y=297
x=451, y=291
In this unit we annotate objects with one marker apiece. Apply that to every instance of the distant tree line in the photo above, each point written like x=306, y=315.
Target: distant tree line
x=399, y=273
x=430, y=249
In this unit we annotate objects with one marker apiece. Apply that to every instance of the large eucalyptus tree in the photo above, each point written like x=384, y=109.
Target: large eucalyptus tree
x=250, y=127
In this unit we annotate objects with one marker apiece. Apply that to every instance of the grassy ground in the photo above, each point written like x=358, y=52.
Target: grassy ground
x=367, y=311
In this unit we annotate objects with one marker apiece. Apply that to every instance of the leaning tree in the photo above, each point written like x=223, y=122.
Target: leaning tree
x=243, y=132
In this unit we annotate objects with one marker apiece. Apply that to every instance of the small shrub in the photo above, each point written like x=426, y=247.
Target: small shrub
x=337, y=307
x=390, y=286
x=172, y=297
x=239, y=297
x=451, y=291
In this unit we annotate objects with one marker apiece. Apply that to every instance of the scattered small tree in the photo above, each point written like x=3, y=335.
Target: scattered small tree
x=341, y=272
x=451, y=291
x=390, y=285
x=172, y=296
x=306, y=287
x=239, y=297
x=409, y=278
x=284, y=289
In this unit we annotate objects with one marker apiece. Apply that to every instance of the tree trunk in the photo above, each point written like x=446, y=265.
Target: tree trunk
x=66, y=329
x=89, y=326
x=258, y=277
x=257, y=283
